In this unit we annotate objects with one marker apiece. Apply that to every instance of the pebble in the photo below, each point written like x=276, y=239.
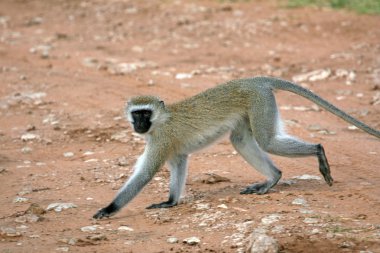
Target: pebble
x=89, y=228
x=9, y=232
x=125, y=228
x=68, y=154
x=262, y=243
x=308, y=177
x=299, y=201
x=172, y=240
x=58, y=207
x=270, y=219
x=20, y=200
x=192, y=240
x=310, y=221
x=29, y=137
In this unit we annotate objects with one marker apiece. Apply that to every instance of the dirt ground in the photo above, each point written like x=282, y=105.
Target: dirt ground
x=68, y=67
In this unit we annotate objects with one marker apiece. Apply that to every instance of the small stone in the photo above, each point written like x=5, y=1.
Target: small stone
x=192, y=240
x=172, y=240
x=9, y=232
x=122, y=161
x=262, y=243
x=223, y=206
x=99, y=237
x=35, y=209
x=310, y=220
x=270, y=219
x=299, y=201
x=210, y=178
x=26, y=150
x=308, y=177
x=20, y=200
x=29, y=137
x=181, y=76
x=89, y=228
x=58, y=207
x=68, y=154
x=125, y=228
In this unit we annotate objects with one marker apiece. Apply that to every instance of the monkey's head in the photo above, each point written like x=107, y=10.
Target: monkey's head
x=144, y=112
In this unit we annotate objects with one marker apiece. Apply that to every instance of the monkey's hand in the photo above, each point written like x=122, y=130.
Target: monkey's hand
x=166, y=204
x=105, y=212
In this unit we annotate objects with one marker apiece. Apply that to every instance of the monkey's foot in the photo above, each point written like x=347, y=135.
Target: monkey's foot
x=105, y=212
x=166, y=204
x=257, y=188
x=324, y=166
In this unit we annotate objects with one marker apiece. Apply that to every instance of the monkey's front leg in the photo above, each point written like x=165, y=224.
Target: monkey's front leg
x=144, y=172
x=178, y=173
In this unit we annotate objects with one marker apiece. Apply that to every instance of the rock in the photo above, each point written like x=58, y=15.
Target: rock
x=89, y=228
x=262, y=243
x=31, y=218
x=181, y=76
x=58, y=207
x=270, y=219
x=99, y=237
x=192, y=240
x=223, y=206
x=20, y=200
x=68, y=154
x=310, y=220
x=308, y=177
x=35, y=209
x=316, y=75
x=210, y=178
x=30, y=137
x=9, y=232
x=125, y=228
x=299, y=201
x=26, y=150
x=172, y=240
x=202, y=206
x=122, y=161
x=121, y=136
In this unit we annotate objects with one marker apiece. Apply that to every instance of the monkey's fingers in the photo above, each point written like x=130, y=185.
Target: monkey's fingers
x=166, y=204
x=102, y=213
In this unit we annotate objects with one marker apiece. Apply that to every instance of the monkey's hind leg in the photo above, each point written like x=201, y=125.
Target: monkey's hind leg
x=178, y=173
x=248, y=148
x=266, y=127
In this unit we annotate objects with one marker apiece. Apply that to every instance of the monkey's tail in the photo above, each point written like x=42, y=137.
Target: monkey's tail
x=294, y=88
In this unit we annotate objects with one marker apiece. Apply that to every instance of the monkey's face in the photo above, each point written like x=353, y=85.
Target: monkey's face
x=141, y=120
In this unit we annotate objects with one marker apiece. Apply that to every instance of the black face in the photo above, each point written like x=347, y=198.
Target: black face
x=141, y=120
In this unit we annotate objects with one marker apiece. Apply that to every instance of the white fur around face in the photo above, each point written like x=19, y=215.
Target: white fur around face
x=132, y=108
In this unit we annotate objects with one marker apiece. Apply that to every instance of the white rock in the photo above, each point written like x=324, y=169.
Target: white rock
x=316, y=75
x=29, y=137
x=125, y=228
x=58, y=207
x=192, y=240
x=299, y=201
x=270, y=219
x=20, y=200
x=262, y=243
x=26, y=150
x=172, y=240
x=308, y=177
x=223, y=206
x=310, y=221
x=89, y=228
x=68, y=154
x=181, y=76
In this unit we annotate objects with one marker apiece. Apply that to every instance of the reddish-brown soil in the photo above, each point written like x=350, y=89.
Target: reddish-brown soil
x=61, y=84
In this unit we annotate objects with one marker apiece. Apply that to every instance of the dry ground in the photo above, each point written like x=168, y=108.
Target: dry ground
x=67, y=68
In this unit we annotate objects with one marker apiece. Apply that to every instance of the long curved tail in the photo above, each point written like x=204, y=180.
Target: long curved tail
x=294, y=88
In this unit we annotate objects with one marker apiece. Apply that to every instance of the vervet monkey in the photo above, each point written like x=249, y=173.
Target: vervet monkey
x=245, y=108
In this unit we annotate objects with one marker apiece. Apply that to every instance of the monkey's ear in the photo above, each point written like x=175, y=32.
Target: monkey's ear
x=162, y=103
